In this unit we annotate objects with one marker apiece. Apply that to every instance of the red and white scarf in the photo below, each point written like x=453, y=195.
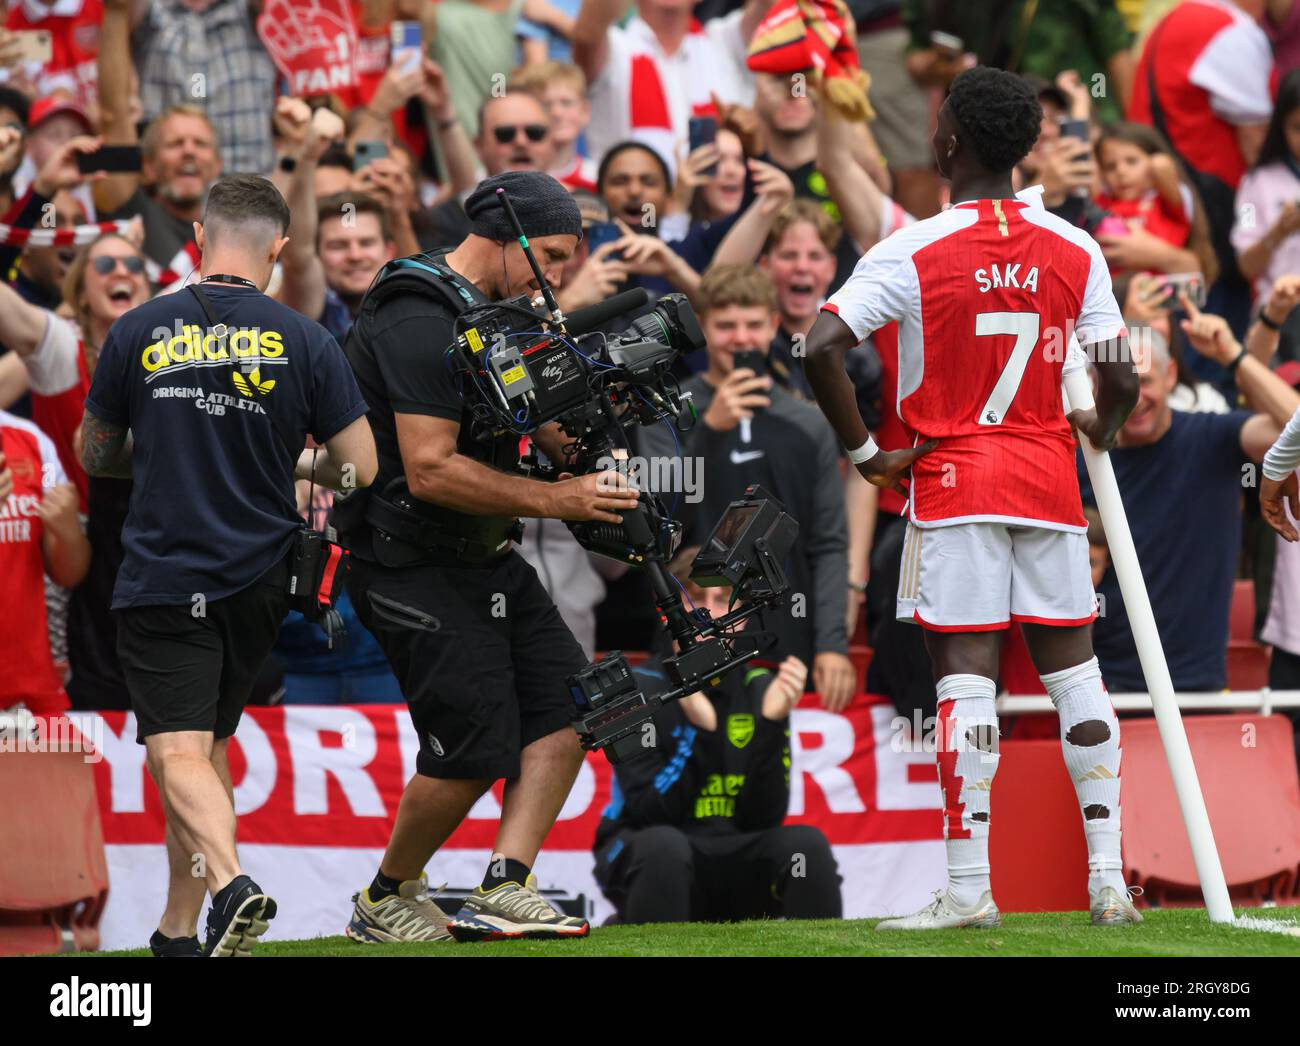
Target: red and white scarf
x=179, y=268
x=75, y=236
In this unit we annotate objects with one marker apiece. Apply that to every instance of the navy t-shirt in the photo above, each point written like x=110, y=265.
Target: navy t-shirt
x=1182, y=496
x=212, y=508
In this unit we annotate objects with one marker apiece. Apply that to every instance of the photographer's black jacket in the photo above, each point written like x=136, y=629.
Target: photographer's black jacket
x=735, y=778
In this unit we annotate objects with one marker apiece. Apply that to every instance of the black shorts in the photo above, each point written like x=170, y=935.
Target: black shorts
x=481, y=654
x=187, y=672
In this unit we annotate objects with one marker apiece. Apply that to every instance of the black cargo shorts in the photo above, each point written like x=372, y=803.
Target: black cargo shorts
x=481, y=654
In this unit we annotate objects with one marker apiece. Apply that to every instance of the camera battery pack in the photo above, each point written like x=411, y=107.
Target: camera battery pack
x=511, y=374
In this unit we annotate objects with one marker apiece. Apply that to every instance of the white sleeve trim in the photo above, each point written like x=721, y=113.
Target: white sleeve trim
x=1234, y=69
x=52, y=368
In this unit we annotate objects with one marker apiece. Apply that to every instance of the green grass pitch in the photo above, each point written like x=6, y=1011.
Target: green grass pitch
x=1166, y=932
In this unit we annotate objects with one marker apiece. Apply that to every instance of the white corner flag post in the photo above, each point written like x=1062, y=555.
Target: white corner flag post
x=1078, y=392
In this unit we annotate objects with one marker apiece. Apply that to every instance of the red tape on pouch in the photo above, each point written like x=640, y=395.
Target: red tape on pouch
x=327, y=579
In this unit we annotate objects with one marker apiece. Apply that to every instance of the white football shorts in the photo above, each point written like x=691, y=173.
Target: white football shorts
x=979, y=577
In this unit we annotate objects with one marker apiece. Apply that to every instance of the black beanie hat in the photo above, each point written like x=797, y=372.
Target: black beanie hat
x=543, y=206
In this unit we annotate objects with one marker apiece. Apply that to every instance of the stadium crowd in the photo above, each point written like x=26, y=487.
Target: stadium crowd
x=1171, y=133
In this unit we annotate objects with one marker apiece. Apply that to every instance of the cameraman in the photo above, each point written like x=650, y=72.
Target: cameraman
x=479, y=648
x=217, y=385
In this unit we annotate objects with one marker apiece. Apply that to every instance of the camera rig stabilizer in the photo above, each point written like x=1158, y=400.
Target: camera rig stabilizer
x=523, y=369
x=745, y=550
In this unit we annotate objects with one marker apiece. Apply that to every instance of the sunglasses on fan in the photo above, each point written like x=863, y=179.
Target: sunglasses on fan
x=507, y=132
x=107, y=263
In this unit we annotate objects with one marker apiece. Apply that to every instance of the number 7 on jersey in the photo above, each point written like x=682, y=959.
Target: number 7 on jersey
x=1024, y=325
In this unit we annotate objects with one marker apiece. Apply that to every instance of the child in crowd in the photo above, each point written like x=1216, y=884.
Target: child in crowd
x=1142, y=190
x=562, y=90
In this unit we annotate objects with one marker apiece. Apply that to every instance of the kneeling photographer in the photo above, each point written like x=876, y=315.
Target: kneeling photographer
x=695, y=828
x=478, y=646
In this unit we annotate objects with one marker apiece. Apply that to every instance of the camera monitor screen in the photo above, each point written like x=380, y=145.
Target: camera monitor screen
x=731, y=526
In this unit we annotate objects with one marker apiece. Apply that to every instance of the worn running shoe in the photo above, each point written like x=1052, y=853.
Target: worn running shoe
x=239, y=915
x=1112, y=908
x=943, y=913
x=175, y=947
x=408, y=915
x=511, y=911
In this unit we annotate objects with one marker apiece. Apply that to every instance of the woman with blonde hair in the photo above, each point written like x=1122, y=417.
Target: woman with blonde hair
x=106, y=279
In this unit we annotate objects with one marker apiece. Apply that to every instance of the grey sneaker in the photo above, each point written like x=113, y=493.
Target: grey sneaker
x=511, y=911
x=1112, y=908
x=943, y=913
x=240, y=913
x=408, y=915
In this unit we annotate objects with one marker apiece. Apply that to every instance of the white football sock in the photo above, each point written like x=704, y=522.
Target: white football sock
x=1090, y=741
x=967, y=752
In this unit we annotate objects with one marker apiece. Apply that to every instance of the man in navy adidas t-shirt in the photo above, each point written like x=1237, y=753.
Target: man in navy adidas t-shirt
x=203, y=397
x=1181, y=478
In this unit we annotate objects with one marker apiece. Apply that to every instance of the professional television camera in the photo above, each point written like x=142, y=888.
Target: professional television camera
x=525, y=365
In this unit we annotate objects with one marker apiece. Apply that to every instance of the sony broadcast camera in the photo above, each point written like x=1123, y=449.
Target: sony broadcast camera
x=523, y=364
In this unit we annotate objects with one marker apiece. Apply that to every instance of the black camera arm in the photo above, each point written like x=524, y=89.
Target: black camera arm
x=745, y=548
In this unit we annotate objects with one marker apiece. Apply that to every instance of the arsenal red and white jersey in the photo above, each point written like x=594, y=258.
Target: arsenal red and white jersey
x=644, y=93
x=988, y=296
x=1213, y=70
x=73, y=26
x=29, y=674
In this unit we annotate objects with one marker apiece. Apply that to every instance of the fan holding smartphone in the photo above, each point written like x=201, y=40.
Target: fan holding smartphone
x=111, y=159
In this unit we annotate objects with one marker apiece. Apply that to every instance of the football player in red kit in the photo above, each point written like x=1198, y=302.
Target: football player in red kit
x=989, y=296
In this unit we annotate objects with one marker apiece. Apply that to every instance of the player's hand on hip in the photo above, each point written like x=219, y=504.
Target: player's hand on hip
x=785, y=689
x=739, y=395
x=1272, y=494
x=596, y=495
x=887, y=467
x=835, y=679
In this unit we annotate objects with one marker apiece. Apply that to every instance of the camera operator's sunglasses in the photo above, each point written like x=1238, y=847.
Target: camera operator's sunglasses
x=107, y=263
x=508, y=132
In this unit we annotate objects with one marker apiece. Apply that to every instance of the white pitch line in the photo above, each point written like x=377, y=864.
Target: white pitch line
x=1249, y=922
